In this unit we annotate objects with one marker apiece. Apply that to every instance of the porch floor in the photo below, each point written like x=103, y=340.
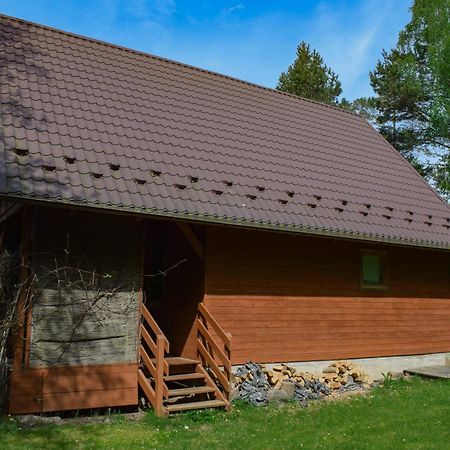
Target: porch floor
x=430, y=371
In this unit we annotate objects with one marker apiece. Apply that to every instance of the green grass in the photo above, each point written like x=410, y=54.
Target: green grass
x=412, y=414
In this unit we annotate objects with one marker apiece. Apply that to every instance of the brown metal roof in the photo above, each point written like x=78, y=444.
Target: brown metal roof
x=89, y=123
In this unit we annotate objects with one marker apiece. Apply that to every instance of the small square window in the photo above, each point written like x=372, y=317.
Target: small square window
x=373, y=270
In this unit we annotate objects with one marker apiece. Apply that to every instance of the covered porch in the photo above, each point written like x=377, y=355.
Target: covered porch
x=127, y=316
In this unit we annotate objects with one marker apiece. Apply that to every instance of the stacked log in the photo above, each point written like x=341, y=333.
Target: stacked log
x=342, y=373
x=335, y=376
x=283, y=372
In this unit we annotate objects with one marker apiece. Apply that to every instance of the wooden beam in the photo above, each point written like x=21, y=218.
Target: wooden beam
x=8, y=211
x=21, y=345
x=193, y=239
x=2, y=236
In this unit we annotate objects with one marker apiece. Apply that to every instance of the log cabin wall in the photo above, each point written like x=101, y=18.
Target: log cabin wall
x=93, y=322
x=83, y=349
x=298, y=298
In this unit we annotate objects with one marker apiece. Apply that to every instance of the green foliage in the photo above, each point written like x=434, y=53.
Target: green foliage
x=310, y=77
x=8, y=425
x=410, y=414
x=427, y=37
x=412, y=86
x=441, y=173
x=411, y=106
x=363, y=106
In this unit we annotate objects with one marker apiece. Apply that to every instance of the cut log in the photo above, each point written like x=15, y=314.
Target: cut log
x=334, y=385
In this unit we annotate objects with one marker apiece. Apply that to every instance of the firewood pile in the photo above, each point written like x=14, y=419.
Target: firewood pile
x=258, y=383
x=342, y=373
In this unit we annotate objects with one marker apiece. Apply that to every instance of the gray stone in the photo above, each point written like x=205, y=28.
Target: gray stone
x=288, y=387
x=395, y=375
x=253, y=389
x=353, y=387
x=303, y=394
x=31, y=421
x=234, y=394
x=277, y=395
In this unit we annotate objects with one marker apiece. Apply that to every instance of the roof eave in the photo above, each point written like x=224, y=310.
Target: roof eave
x=220, y=220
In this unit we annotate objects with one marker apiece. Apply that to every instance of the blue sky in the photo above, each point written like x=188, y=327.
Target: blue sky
x=252, y=40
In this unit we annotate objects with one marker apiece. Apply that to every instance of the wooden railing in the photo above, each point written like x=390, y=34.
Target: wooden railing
x=214, y=350
x=155, y=363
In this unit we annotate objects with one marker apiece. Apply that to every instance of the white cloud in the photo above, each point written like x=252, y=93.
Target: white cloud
x=360, y=56
x=235, y=8
x=350, y=40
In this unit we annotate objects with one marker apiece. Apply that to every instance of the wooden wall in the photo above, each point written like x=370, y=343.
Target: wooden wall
x=183, y=286
x=81, y=354
x=81, y=325
x=72, y=388
x=298, y=298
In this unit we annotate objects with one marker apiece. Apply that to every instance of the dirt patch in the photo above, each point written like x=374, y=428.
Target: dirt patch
x=31, y=421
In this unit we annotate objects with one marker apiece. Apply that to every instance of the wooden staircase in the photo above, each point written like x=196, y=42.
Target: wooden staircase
x=172, y=384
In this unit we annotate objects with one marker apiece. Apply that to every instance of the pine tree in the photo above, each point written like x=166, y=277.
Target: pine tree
x=310, y=77
x=412, y=87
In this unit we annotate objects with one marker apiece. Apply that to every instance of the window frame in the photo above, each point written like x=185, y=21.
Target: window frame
x=384, y=268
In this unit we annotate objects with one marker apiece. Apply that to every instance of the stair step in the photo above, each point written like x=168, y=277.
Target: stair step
x=179, y=361
x=195, y=405
x=191, y=390
x=184, y=376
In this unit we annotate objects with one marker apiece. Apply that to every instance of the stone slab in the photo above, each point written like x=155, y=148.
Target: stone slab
x=430, y=371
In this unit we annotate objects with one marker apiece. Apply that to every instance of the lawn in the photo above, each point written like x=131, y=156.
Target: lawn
x=412, y=414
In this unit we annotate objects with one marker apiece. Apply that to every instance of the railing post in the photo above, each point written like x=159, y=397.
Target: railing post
x=208, y=348
x=205, y=342
x=159, y=379
x=228, y=367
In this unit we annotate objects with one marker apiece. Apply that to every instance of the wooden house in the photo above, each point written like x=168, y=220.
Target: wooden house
x=172, y=222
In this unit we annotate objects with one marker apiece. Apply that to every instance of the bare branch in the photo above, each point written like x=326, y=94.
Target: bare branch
x=165, y=272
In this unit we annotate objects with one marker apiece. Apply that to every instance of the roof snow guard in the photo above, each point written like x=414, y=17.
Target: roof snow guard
x=89, y=123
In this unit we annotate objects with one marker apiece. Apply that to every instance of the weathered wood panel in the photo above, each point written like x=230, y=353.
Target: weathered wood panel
x=91, y=399
x=75, y=387
x=297, y=298
x=77, y=320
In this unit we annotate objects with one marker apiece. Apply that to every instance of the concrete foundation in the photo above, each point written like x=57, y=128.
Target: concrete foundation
x=376, y=367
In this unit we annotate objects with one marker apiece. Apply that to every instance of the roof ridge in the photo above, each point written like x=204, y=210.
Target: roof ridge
x=178, y=63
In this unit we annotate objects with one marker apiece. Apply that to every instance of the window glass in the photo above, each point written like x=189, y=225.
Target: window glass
x=372, y=268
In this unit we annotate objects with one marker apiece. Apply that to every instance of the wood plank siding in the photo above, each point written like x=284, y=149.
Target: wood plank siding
x=73, y=387
x=298, y=298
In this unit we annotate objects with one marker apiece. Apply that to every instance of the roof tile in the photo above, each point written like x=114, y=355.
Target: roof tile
x=95, y=124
